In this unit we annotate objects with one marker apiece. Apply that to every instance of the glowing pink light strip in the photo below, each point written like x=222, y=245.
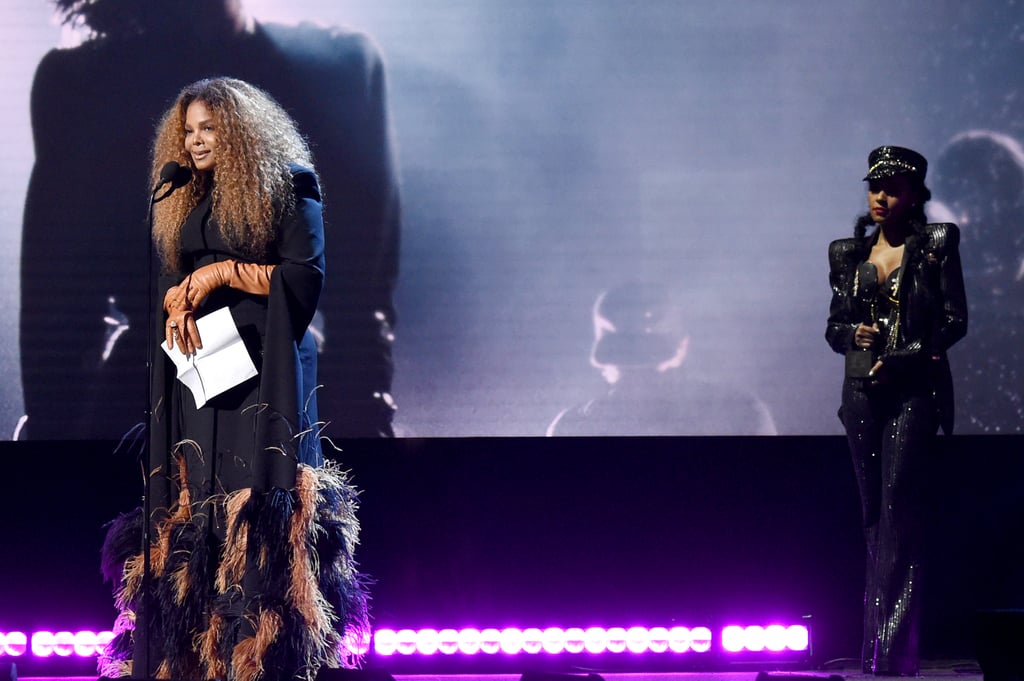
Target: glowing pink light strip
x=773, y=638
x=555, y=640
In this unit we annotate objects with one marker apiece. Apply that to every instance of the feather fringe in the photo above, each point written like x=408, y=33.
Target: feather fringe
x=277, y=599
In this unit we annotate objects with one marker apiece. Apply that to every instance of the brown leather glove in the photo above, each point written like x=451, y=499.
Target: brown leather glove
x=180, y=301
x=180, y=329
x=243, y=276
x=180, y=324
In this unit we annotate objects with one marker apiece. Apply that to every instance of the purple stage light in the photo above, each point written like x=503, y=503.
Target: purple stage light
x=511, y=641
x=732, y=639
x=595, y=640
x=637, y=640
x=755, y=638
x=427, y=641
x=574, y=640
x=616, y=640
x=679, y=639
x=13, y=643
x=469, y=641
x=553, y=640
x=775, y=638
x=385, y=641
x=84, y=643
x=657, y=639
x=772, y=638
x=490, y=641
x=406, y=641
x=448, y=641
x=798, y=637
x=700, y=639
x=42, y=643
x=64, y=644
x=533, y=640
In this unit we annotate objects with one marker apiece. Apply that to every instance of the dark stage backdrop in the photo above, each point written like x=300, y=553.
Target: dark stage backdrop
x=677, y=167
x=573, y=532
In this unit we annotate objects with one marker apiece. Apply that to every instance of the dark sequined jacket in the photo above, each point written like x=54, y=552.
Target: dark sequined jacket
x=932, y=303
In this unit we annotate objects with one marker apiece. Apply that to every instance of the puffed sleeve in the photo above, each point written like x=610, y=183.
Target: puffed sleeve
x=944, y=247
x=841, y=325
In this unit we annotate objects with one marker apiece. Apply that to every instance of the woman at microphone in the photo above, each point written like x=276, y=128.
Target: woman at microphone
x=898, y=304
x=250, y=568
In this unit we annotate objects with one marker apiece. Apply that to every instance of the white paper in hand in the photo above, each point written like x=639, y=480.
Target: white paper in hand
x=222, y=362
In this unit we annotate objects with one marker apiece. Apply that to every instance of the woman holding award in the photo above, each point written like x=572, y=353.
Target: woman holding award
x=249, y=568
x=898, y=304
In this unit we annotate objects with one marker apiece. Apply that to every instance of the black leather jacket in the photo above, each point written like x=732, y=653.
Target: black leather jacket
x=932, y=303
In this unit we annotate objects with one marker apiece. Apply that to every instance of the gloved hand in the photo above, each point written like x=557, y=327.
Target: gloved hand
x=180, y=324
x=180, y=329
x=181, y=301
x=243, y=276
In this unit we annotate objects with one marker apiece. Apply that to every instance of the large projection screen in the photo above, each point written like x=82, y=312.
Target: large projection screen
x=614, y=213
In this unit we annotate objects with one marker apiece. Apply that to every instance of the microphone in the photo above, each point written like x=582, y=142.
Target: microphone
x=167, y=172
x=175, y=173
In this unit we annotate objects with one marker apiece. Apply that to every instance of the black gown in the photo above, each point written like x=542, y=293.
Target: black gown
x=274, y=329
x=251, y=559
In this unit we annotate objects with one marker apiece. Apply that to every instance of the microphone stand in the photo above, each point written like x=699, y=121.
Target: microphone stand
x=142, y=654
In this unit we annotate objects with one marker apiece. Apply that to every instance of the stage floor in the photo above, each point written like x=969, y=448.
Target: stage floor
x=938, y=670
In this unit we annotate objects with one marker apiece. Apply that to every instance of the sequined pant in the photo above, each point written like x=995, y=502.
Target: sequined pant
x=891, y=435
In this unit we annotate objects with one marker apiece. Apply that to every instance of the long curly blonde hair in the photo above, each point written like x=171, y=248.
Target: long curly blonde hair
x=251, y=183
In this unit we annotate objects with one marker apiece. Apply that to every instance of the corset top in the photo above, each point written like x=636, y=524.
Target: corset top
x=879, y=300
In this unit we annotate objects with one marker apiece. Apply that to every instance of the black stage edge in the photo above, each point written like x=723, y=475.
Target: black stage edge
x=322, y=675
x=572, y=532
x=796, y=676
x=353, y=675
x=547, y=676
x=1001, y=644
